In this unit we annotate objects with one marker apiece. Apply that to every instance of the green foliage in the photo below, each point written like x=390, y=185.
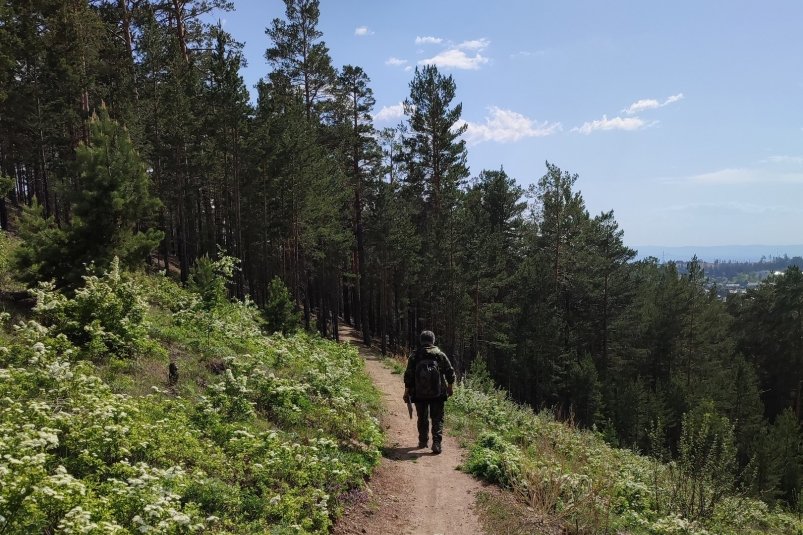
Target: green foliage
x=494, y=460
x=280, y=311
x=6, y=185
x=105, y=318
x=705, y=471
x=114, y=202
x=109, y=210
x=43, y=247
x=574, y=476
x=269, y=446
x=74, y=455
x=8, y=247
x=478, y=376
x=208, y=279
x=786, y=441
x=583, y=382
x=541, y=291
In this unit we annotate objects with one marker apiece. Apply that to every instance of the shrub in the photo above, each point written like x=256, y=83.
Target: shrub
x=105, y=318
x=76, y=457
x=280, y=311
x=494, y=459
x=705, y=471
x=208, y=279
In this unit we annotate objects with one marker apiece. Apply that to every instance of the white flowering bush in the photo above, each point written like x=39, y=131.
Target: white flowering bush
x=63, y=436
x=106, y=317
x=268, y=445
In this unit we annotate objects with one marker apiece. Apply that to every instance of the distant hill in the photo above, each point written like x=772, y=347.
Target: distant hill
x=709, y=253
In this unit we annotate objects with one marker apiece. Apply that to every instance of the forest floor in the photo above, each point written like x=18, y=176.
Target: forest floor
x=412, y=491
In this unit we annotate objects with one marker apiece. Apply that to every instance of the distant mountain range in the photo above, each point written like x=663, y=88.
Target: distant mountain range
x=710, y=253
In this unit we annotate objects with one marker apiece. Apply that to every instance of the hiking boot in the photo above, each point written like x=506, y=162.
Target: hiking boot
x=436, y=448
x=422, y=444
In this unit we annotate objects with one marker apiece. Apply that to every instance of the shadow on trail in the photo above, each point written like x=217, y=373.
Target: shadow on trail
x=405, y=454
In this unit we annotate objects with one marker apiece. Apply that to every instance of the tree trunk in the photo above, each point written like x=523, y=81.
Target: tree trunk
x=364, y=304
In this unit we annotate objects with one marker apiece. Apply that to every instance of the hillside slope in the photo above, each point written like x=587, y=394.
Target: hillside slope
x=571, y=476
x=258, y=435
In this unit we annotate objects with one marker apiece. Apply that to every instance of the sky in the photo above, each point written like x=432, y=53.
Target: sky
x=685, y=118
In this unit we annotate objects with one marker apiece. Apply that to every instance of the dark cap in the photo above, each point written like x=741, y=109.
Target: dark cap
x=427, y=337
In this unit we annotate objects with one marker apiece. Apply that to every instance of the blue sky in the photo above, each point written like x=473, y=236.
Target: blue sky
x=685, y=118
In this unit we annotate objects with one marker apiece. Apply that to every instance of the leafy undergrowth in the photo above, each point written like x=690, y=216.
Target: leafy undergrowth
x=259, y=435
x=573, y=477
x=7, y=244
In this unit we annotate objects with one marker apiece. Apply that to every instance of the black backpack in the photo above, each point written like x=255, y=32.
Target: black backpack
x=427, y=377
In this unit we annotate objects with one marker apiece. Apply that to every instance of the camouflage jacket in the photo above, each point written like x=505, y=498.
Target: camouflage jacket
x=445, y=367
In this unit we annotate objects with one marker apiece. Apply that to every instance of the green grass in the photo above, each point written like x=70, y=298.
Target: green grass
x=501, y=514
x=574, y=478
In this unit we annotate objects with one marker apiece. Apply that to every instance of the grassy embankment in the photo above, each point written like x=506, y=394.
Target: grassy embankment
x=572, y=478
x=259, y=435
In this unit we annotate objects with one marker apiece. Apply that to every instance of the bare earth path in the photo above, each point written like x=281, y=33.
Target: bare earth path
x=412, y=492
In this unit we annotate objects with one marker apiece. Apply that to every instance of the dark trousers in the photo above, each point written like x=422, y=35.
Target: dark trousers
x=425, y=410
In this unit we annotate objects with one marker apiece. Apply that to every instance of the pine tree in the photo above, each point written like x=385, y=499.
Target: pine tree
x=43, y=248
x=436, y=169
x=299, y=54
x=113, y=207
x=111, y=210
x=562, y=230
x=280, y=312
x=786, y=438
x=225, y=130
x=491, y=223
x=361, y=154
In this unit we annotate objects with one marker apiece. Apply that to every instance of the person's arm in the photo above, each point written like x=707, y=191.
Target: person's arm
x=448, y=373
x=409, y=377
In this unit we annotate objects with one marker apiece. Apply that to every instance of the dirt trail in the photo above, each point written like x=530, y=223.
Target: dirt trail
x=412, y=492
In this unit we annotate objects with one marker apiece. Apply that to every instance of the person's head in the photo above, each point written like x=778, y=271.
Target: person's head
x=427, y=338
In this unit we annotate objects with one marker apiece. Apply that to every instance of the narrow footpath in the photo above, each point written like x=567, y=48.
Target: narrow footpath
x=413, y=491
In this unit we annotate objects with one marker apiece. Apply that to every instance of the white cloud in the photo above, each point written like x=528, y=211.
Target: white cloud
x=784, y=159
x=396, y=62
x=651, y=104
x=362, y=31
x=428, y=40
x=740, y=175
x=724, y=176
x=466, y=55
x=474, y=44
x=641, y=105
x=504, y=126
x=616, y=123
x=390, y=113
x=673, y=98
x=455, y=59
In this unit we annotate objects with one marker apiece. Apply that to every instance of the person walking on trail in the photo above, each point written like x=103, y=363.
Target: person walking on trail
x=428, y=382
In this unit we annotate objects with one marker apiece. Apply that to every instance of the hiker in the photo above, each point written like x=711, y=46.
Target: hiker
x=428, y=381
